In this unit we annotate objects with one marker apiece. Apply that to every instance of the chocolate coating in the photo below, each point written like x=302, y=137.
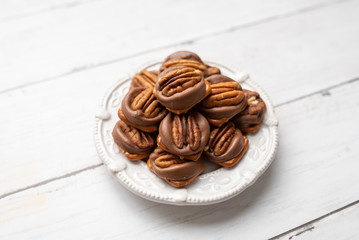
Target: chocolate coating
x=251, y=118
x=212, y=70
x=184, y=58
x=167, y=133
x=138, y=116
x=132, y=140
x=179, y=170
x=225, y=143
x=228, y=109
x=183, y=55
x=218, y=78
x=183, y=99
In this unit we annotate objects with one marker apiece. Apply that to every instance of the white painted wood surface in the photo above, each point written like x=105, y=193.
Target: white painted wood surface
x=84, y=89
x=15, y=9
x=59, y=57
x=72, y=39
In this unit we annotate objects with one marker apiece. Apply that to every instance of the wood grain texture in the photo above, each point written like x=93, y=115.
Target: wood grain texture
x=311, y=175
x=67, y=40
x=55, y=119
x=11, y=10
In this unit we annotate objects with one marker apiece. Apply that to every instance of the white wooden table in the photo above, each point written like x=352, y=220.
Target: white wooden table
x=57, y=58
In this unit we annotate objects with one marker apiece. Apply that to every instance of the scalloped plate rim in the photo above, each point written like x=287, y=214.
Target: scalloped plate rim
x=167, y=198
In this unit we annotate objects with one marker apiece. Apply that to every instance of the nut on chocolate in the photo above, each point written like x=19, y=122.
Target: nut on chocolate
x=225, y=100
x=134, y=143
x=141, y=109
x=178, y=172
x=184, y=59
x=226, y=145
x=180, y=88
x=184, y=135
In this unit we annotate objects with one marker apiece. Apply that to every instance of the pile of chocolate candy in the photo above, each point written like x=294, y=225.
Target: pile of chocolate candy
x=184, y=114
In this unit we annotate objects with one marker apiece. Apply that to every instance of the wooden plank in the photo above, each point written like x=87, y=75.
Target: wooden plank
x=315, y=172
x=70, y=39
x=50, y=128
x=58, y=125
x=11, y=9
x=295, y=56
x=341, y=225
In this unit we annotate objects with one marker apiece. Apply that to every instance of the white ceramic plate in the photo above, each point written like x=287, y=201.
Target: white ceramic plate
x=215, y=184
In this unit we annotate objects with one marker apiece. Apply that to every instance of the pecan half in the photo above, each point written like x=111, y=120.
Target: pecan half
x=185, y=131
x=194, y=136
x=165, y=159
x=221, y=138
x=141, y=139
x=185, y=63
x=223, y=94
x=178, y=79
x=144, y=79
x=147, y=102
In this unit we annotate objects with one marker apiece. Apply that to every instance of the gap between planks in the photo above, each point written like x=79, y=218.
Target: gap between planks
x=322, y=91
x=308, y=226
x=185, y=42
x=52, y=180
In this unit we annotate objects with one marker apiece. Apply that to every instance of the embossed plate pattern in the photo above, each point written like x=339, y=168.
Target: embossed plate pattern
x=209, y=188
